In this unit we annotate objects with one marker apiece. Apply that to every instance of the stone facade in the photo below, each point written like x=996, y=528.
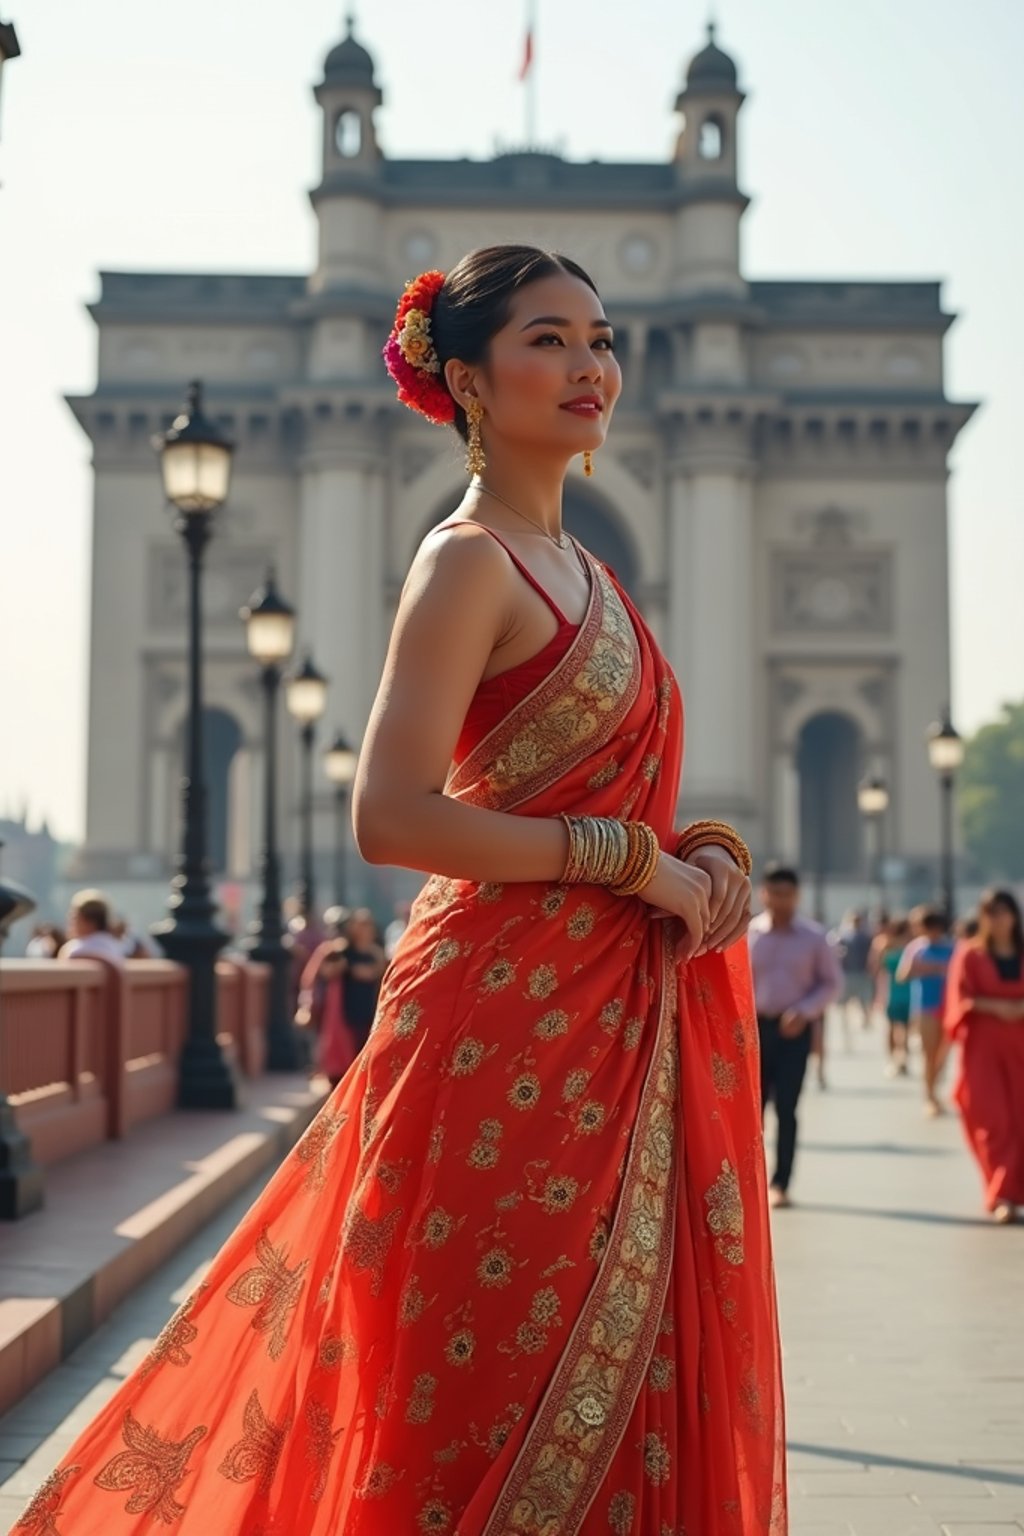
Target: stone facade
x=773, y=492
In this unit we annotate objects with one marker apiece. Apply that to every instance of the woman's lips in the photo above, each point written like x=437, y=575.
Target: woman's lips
x=587, y=407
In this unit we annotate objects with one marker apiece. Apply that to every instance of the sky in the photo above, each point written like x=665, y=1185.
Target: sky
x=879, y=140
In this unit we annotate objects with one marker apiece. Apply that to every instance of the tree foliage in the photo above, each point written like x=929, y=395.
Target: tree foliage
x=991, y=795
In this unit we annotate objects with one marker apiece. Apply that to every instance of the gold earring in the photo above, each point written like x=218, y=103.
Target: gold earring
x=475, y=460
x=588, y=463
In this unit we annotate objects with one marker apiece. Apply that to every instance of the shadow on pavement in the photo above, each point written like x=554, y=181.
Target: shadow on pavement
x=910, y=1463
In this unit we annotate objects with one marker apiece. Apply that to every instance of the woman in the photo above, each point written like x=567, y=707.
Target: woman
x=985, y=1013
x=363, y=973
x=924, y=964
x=321, y=1006
x=893, y=995
x=516, y=1278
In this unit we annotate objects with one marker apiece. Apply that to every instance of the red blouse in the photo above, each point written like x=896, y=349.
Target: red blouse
x=496, y=695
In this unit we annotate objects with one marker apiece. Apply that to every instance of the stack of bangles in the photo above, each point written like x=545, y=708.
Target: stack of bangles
x=623, y=855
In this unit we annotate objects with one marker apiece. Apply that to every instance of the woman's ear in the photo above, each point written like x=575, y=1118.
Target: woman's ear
x=461, y=381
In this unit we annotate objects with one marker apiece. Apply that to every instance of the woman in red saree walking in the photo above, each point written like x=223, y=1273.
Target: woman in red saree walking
x=516, y=1278
x=985, y=1013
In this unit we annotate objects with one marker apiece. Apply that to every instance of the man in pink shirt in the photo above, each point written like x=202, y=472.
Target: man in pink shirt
x=796, y=976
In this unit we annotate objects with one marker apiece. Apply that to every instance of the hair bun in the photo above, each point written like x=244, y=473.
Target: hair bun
x=410, y=355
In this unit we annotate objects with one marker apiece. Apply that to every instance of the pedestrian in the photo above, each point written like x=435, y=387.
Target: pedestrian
x=796, y=977
x=985, y=1014
x=46, y=942
x=366, y=964
x=924, y=964
x=321, y=1003
x=893, y=995
x=852, y=942
x=517, y=1275
x=90, y=935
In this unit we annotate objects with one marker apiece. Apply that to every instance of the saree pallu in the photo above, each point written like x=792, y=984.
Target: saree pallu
x=515, y=1279
x=989, y=1085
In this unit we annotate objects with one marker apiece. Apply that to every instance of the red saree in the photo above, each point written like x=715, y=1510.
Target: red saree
x=516, y=1278
x=989, y=1086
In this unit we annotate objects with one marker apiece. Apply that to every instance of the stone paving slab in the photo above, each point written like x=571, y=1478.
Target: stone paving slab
x=901, y=1315
x=115, y=1213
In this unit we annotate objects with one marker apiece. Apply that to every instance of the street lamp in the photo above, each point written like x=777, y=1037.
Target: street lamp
x=946, y=753
x=270, y=636
x=307, y=700
x=340, y=767
x=9, y=46
x=195, y=460
x=873, y=802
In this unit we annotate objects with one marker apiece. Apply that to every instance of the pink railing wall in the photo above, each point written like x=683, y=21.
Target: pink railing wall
x=88, y=1051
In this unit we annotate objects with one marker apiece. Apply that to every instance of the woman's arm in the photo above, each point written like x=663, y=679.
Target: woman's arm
x=454, y=610
x=1008, y=1008
x=457, y=604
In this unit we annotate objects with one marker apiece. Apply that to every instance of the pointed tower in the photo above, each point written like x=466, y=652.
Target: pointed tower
x=346, y=200
x=707, y=253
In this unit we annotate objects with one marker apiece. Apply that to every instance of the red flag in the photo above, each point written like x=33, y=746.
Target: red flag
x=527, y=55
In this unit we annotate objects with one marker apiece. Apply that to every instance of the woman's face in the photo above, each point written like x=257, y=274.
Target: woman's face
x=998, y=925
x=551, y=379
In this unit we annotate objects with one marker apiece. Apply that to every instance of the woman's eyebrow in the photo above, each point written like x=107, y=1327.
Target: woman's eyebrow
x=561, y=320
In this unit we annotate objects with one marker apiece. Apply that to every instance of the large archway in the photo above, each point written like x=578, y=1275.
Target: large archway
x=590, y=519
x=222, y=741
x=828, y=762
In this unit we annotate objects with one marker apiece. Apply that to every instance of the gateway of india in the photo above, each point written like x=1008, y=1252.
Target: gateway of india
x=773, y=493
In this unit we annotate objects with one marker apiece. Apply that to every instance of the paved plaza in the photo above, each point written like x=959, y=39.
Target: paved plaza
x=902, y=1323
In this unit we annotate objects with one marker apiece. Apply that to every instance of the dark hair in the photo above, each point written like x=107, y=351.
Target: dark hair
x=94, y=908
x=999, y=896
x=474, y=303
x=780, y=874
x=930, y=917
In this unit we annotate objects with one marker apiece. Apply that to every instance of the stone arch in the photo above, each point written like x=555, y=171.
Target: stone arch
x=829, y=752
x=588, y=515
x=223, y=740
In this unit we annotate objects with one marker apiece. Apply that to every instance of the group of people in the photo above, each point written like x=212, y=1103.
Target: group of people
x=339, y=983
x=945, y=989
x=93, y=931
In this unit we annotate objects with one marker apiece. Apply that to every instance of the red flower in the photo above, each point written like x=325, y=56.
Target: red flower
x=419, y=389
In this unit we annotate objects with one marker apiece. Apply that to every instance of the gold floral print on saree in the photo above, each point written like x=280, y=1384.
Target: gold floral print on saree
x=483, y=1293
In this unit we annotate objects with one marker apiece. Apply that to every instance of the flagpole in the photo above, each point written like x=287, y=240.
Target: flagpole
x=531, y=76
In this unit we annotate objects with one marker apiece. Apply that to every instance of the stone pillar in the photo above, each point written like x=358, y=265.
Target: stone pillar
x=711, y=634
x=341, y=590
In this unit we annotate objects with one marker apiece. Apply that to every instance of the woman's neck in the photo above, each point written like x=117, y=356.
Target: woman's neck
x=533, y=488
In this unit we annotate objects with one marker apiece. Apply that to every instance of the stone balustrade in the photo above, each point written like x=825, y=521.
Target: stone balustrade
x=87, y=1051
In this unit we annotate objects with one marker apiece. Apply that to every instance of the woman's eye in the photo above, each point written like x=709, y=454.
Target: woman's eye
x=605, y=343
x=549, y=336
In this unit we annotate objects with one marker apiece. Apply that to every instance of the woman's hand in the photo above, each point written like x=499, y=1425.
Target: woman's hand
x=730, y=896
x=683, y=891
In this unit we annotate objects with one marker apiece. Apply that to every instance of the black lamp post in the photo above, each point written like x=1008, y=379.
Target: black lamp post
x=270, y=635
x=873, y=802
x=9, y=46
x=946, y=753
x=196, y=463
x=340, y=768
x=307, y=700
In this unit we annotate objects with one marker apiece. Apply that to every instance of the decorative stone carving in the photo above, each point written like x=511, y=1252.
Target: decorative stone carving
x=640, y=464
x=230, y=577
x=832, y=590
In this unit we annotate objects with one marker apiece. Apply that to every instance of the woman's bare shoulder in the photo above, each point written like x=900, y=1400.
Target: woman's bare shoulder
x=461, y=559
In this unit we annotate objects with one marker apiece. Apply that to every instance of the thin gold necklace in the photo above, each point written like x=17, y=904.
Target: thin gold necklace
x=562, y=541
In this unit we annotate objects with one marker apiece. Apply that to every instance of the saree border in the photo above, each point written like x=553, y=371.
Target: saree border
x=586, y=1409
x=472, y=783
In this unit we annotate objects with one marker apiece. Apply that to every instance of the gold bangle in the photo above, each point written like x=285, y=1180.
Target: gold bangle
x=701, y=833
x=643, y=863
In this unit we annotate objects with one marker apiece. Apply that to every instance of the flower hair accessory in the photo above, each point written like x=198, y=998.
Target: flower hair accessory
x=410, y=355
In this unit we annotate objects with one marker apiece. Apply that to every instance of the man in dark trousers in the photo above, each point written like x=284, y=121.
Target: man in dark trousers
x=796, y=977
